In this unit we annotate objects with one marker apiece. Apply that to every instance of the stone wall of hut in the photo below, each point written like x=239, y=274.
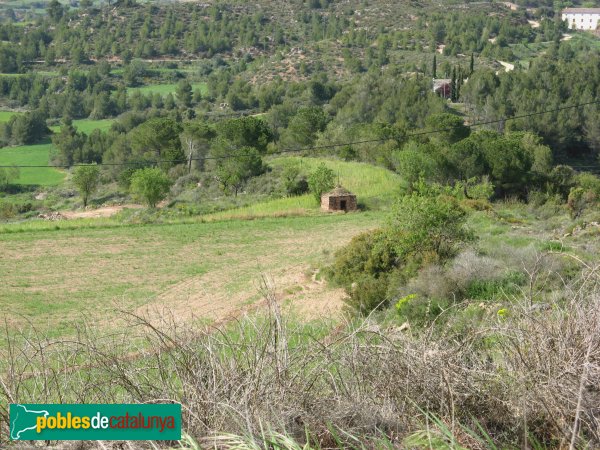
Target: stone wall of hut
x=335, y=203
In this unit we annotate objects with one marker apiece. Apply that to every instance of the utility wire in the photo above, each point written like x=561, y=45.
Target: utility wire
x=317, y=147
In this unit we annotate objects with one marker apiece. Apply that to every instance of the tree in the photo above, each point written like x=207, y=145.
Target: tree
x=246, y=132
x=304, y=126
x=291, y=183
x=158, y=139
x=434, y=66
x=184, y=93
x=234, y=170
x=29, y=127
x=195, y=140
x=8, y=175
x=55, y=10
x=150, y=185
x=450, y=128
x=86, y=180
x=321, y=181
x=429, y=223
x=69, y=143
x=472, y=64
x=453, y=89
x=133, y=72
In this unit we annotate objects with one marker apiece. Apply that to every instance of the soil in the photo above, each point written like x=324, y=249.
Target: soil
x=105, y=211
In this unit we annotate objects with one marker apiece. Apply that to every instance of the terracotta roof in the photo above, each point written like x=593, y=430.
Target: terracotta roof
x=581, y=11
x=339, y=191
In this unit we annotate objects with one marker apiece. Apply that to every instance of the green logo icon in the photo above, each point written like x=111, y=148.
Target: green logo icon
x=95, y=422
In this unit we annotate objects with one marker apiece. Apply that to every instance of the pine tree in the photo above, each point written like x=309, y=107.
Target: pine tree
x=434, y=66
x=453, y=86
x=472, y=64
x=459, y=83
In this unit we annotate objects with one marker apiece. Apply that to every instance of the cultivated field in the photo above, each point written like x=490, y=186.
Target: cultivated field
x=209, y=271
x=55, y=273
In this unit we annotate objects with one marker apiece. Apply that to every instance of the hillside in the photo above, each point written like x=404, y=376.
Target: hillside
x=197, y=269
x=162, y=170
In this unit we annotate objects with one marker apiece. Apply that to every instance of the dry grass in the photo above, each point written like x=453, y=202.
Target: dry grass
x=530, y=376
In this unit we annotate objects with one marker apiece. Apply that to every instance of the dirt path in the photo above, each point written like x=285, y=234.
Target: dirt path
x=105, y=211
x=208, y=298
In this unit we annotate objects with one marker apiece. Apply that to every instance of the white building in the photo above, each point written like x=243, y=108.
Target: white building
x=582, y=18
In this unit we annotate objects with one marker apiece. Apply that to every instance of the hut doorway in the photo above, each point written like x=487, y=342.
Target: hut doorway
x=343, y=205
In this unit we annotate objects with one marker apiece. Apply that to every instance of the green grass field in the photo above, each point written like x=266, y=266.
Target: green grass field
x=374, y=186
x=6, y=115
x=165, y=89
x=88, y=125
x=32, y=155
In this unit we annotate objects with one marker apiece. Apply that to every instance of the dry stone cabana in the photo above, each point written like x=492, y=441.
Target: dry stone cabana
x=339, y=200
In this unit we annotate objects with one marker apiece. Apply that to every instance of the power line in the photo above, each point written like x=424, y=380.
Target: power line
x=317, y=147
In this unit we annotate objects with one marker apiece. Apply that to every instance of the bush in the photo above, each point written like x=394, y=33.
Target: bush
x=479, y=189
x=321, y=181
x=367, y=294
x=562, y=179
x=86, y=180
x=7, y=210
x=293, y=183
x=589, y=183
x=371, y=253
x=490, y=289
x=150, y=185
x=427, y=223
x=419, y=310
x=8, y=175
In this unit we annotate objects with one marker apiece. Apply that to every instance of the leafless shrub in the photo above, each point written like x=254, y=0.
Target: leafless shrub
x=469, y=266
x=452, y=282
x=529, y=372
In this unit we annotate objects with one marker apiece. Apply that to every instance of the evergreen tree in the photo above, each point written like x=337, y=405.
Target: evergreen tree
x=434, y=66
x=453, y=97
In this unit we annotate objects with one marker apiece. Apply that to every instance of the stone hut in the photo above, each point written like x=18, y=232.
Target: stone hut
x=339, y=200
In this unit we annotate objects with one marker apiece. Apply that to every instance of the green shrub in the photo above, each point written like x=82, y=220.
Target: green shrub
x=293, y=182
x=7, y=210
x=589, y=183
x=371, y=253
x=150, y=185
x=491, y=289
x=576, y=202
x=429, y=224
x=8, y=175
x=419, y=311
x=367, y=294
x=479, y=189
x=321, y=181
